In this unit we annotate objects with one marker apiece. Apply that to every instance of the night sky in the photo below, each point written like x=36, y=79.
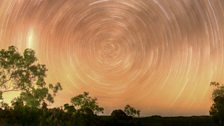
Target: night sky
x=156, y=55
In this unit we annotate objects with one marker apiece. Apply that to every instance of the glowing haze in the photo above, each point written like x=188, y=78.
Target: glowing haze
x=157, y=55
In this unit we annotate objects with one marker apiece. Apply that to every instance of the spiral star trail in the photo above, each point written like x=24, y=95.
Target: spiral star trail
x=157, y=55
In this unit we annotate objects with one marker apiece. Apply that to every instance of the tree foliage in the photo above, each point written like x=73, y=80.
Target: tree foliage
x=69, y=108
x=131, y=111
x=22, y=73
x=84, y=102
x=217, y=108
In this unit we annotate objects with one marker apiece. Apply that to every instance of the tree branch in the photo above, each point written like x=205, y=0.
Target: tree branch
x=10, y=90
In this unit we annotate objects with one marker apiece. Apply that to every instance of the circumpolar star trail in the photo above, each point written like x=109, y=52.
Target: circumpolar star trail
x=157, y=55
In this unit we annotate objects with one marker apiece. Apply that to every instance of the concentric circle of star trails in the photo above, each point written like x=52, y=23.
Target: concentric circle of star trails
x=157, y=55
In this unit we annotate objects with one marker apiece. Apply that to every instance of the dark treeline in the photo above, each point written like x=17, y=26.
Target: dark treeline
x=58, y=117
x=23, y=74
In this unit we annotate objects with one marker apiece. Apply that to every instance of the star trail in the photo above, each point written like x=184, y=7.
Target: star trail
x=157, y=55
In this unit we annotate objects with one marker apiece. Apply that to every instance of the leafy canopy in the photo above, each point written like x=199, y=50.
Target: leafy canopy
x=23, y=73
x=84, y=101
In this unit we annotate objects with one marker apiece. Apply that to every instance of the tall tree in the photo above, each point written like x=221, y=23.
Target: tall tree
x=84, y=102
x=22, y=73
x=217, y=108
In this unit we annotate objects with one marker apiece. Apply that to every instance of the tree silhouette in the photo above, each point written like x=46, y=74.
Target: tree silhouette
x=217, y=108
x=131, y=111
x=118, y=114
x=84, y=102
x=22, y=73
x=69, y=108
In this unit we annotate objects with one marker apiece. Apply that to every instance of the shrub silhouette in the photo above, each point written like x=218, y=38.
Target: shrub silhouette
x=118, y=114
x=131, y=111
